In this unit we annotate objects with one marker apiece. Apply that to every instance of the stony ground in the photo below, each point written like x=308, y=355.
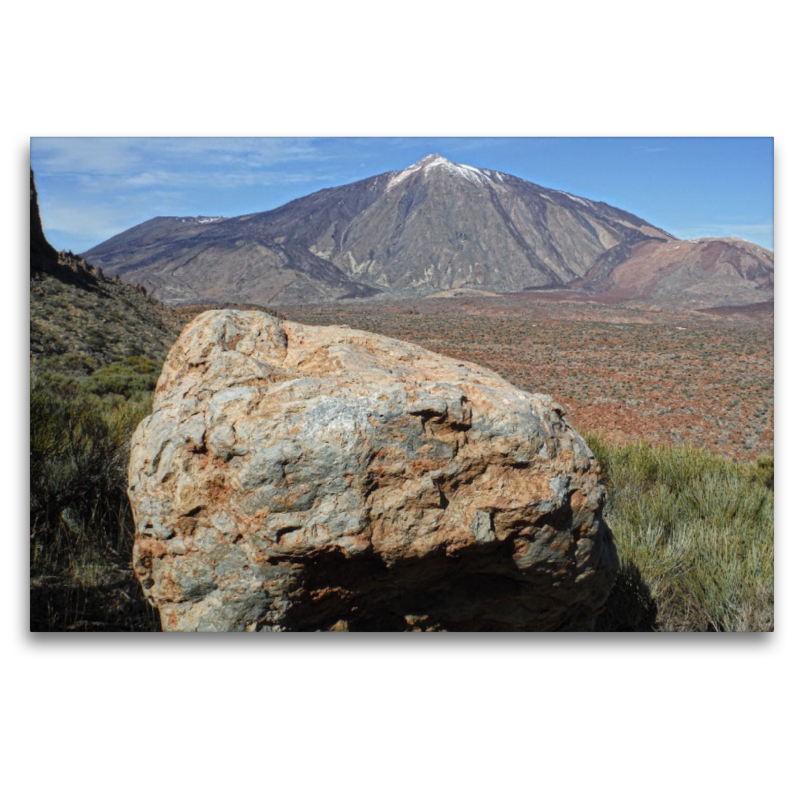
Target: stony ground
x=630, y=373
x=106, y=321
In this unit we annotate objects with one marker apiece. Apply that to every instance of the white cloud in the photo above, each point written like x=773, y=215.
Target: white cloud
x=148, y=161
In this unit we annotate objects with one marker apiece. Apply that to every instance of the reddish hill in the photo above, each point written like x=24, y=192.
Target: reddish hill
x=697, y=273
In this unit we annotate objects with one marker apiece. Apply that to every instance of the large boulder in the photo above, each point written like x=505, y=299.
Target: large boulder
x=294, y=477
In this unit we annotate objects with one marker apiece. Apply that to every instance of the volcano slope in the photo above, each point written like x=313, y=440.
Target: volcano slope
x=432, y=227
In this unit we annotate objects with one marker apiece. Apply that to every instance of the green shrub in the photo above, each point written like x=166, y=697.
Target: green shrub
x=694, y=532
x=81, y=527
x=97, y=340
x=72, y=466
x=77, y=364
x=132, y=375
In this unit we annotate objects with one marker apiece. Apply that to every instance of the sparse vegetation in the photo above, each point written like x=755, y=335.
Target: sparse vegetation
x=81, y=528
x=106, y=322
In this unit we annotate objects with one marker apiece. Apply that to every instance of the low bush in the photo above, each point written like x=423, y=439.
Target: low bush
x=695, y=536
x=132, y=375
x=81, y=527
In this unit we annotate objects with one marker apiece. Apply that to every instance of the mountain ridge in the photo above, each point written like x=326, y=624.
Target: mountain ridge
x=434, y=226
x=77, y=311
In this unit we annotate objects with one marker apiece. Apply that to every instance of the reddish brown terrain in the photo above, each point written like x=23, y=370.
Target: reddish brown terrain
x=675, y=377
x=689, y=274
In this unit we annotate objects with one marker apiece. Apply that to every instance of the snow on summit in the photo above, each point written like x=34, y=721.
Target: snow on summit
x=435, y=161
x=479, y=176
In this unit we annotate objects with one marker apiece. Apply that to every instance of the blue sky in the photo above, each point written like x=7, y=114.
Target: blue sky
x=92, y=188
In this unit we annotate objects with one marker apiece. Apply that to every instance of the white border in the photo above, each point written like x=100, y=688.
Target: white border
x=382, y=717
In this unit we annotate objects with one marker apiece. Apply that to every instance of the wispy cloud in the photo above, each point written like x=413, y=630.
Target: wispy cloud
x=149, y=161
x=193, y=179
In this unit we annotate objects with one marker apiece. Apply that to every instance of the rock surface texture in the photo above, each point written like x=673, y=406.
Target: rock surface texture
x=309, y=478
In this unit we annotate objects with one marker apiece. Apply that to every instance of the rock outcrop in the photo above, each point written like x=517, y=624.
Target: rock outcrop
x=308, y=478
x=66, y=267
x=43, y=255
